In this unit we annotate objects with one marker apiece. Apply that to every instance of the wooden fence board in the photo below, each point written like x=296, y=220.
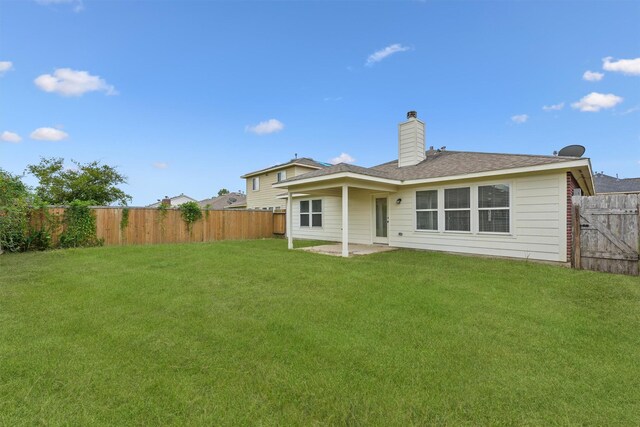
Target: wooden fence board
x=606, y=232
x=279, y=225
x=151, y=226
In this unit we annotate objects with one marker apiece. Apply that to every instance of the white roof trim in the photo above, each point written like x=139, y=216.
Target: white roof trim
x=275, y=168
x=285, y=197
x=338, y=175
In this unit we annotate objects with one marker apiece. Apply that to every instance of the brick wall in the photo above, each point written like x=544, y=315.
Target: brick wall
x=571, y=185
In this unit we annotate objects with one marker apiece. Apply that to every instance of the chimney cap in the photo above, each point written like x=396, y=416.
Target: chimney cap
x=412, y=114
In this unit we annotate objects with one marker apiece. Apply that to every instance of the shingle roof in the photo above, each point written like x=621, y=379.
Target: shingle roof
x=441, y=164
x=610, y=184
x=306, y=161
x=223, y=201
x=156, y=204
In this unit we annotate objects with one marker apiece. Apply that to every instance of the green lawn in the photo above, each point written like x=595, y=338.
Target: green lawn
x=250, y=333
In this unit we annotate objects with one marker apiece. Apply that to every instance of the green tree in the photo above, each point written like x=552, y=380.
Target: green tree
x=11, y=188
x=92, y=181
x=222, y=192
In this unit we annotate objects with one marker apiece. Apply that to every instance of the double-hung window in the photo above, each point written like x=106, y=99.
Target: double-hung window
x=311, y=213
x=255, y=184
x=282, y=175
x=457, y=209
x=493, y=208
x=427, y=210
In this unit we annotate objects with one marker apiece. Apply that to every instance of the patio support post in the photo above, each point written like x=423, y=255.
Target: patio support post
x=289, y=221
x=345, y=221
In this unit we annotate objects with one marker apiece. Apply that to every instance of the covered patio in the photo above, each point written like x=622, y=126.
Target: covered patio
x=344, y=186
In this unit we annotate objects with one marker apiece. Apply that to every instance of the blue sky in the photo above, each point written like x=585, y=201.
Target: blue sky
x=185, y=96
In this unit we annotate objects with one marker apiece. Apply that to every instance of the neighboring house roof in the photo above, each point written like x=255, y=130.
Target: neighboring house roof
x=237, y=205
x=303, y=161
x=611, y=184
x=441, y=164
x=180, y=196
x=224, y=201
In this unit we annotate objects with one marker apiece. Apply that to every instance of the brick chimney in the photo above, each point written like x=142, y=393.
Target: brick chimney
x=166, y=201
x=411, y=141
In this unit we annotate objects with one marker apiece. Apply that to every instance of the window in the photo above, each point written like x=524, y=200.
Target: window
x=427, y=210
x=255, y=184
x=457, y=209
x=282, y=175
x=493, y=208
x=311, y=213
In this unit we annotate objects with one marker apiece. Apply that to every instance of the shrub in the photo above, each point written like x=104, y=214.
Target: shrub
x=80, y=226
x=13, y=227
x=124, y=221
x=41, y=226
x=191, y=212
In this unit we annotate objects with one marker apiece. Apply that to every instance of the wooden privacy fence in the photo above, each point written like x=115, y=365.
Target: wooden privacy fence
x=279, y=223
x=606, y=233
x=150, y=225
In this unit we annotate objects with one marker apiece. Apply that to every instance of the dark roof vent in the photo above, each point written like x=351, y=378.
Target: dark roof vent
x=412, y=114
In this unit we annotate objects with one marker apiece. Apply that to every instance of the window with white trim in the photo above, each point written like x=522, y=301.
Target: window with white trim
x=282, y=175
x=493, y=208
x=311, y=213
x=255, y=184
x=427, y=210
x=457, y=209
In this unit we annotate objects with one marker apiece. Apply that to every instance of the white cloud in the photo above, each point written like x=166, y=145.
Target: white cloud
x=592, y=76
x=519, y=118
x=342, y=158
x=263, y=128
x=381, y=54
x=330, y=99
x=625, y=66
x=160, y=165
x=5, y=66
x=48, y=134
x=10, y=137
x=597, y=101
x=68, y=82
x=78, y=5
x=553, y=107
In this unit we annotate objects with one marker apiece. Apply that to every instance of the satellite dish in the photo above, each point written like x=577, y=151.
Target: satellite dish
x=572, y=151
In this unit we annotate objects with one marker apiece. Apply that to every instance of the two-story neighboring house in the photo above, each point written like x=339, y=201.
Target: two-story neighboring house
x=261, y=194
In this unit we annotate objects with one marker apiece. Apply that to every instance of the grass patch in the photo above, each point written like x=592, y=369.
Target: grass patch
x=250, y=333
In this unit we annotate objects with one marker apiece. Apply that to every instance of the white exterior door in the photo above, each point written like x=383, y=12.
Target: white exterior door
x=380, y=220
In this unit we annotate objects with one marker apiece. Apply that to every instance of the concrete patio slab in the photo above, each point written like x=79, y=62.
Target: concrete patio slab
x=354, y=249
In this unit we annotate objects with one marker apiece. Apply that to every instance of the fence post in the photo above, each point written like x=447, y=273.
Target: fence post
x=575, y=238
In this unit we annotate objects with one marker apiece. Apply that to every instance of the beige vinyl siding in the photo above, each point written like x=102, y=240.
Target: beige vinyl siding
x=299, y=170
x=537, y=229
x=331, y=220
x=411, y=143
x=360, y=213
x=360, y=216
x=265, y=197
